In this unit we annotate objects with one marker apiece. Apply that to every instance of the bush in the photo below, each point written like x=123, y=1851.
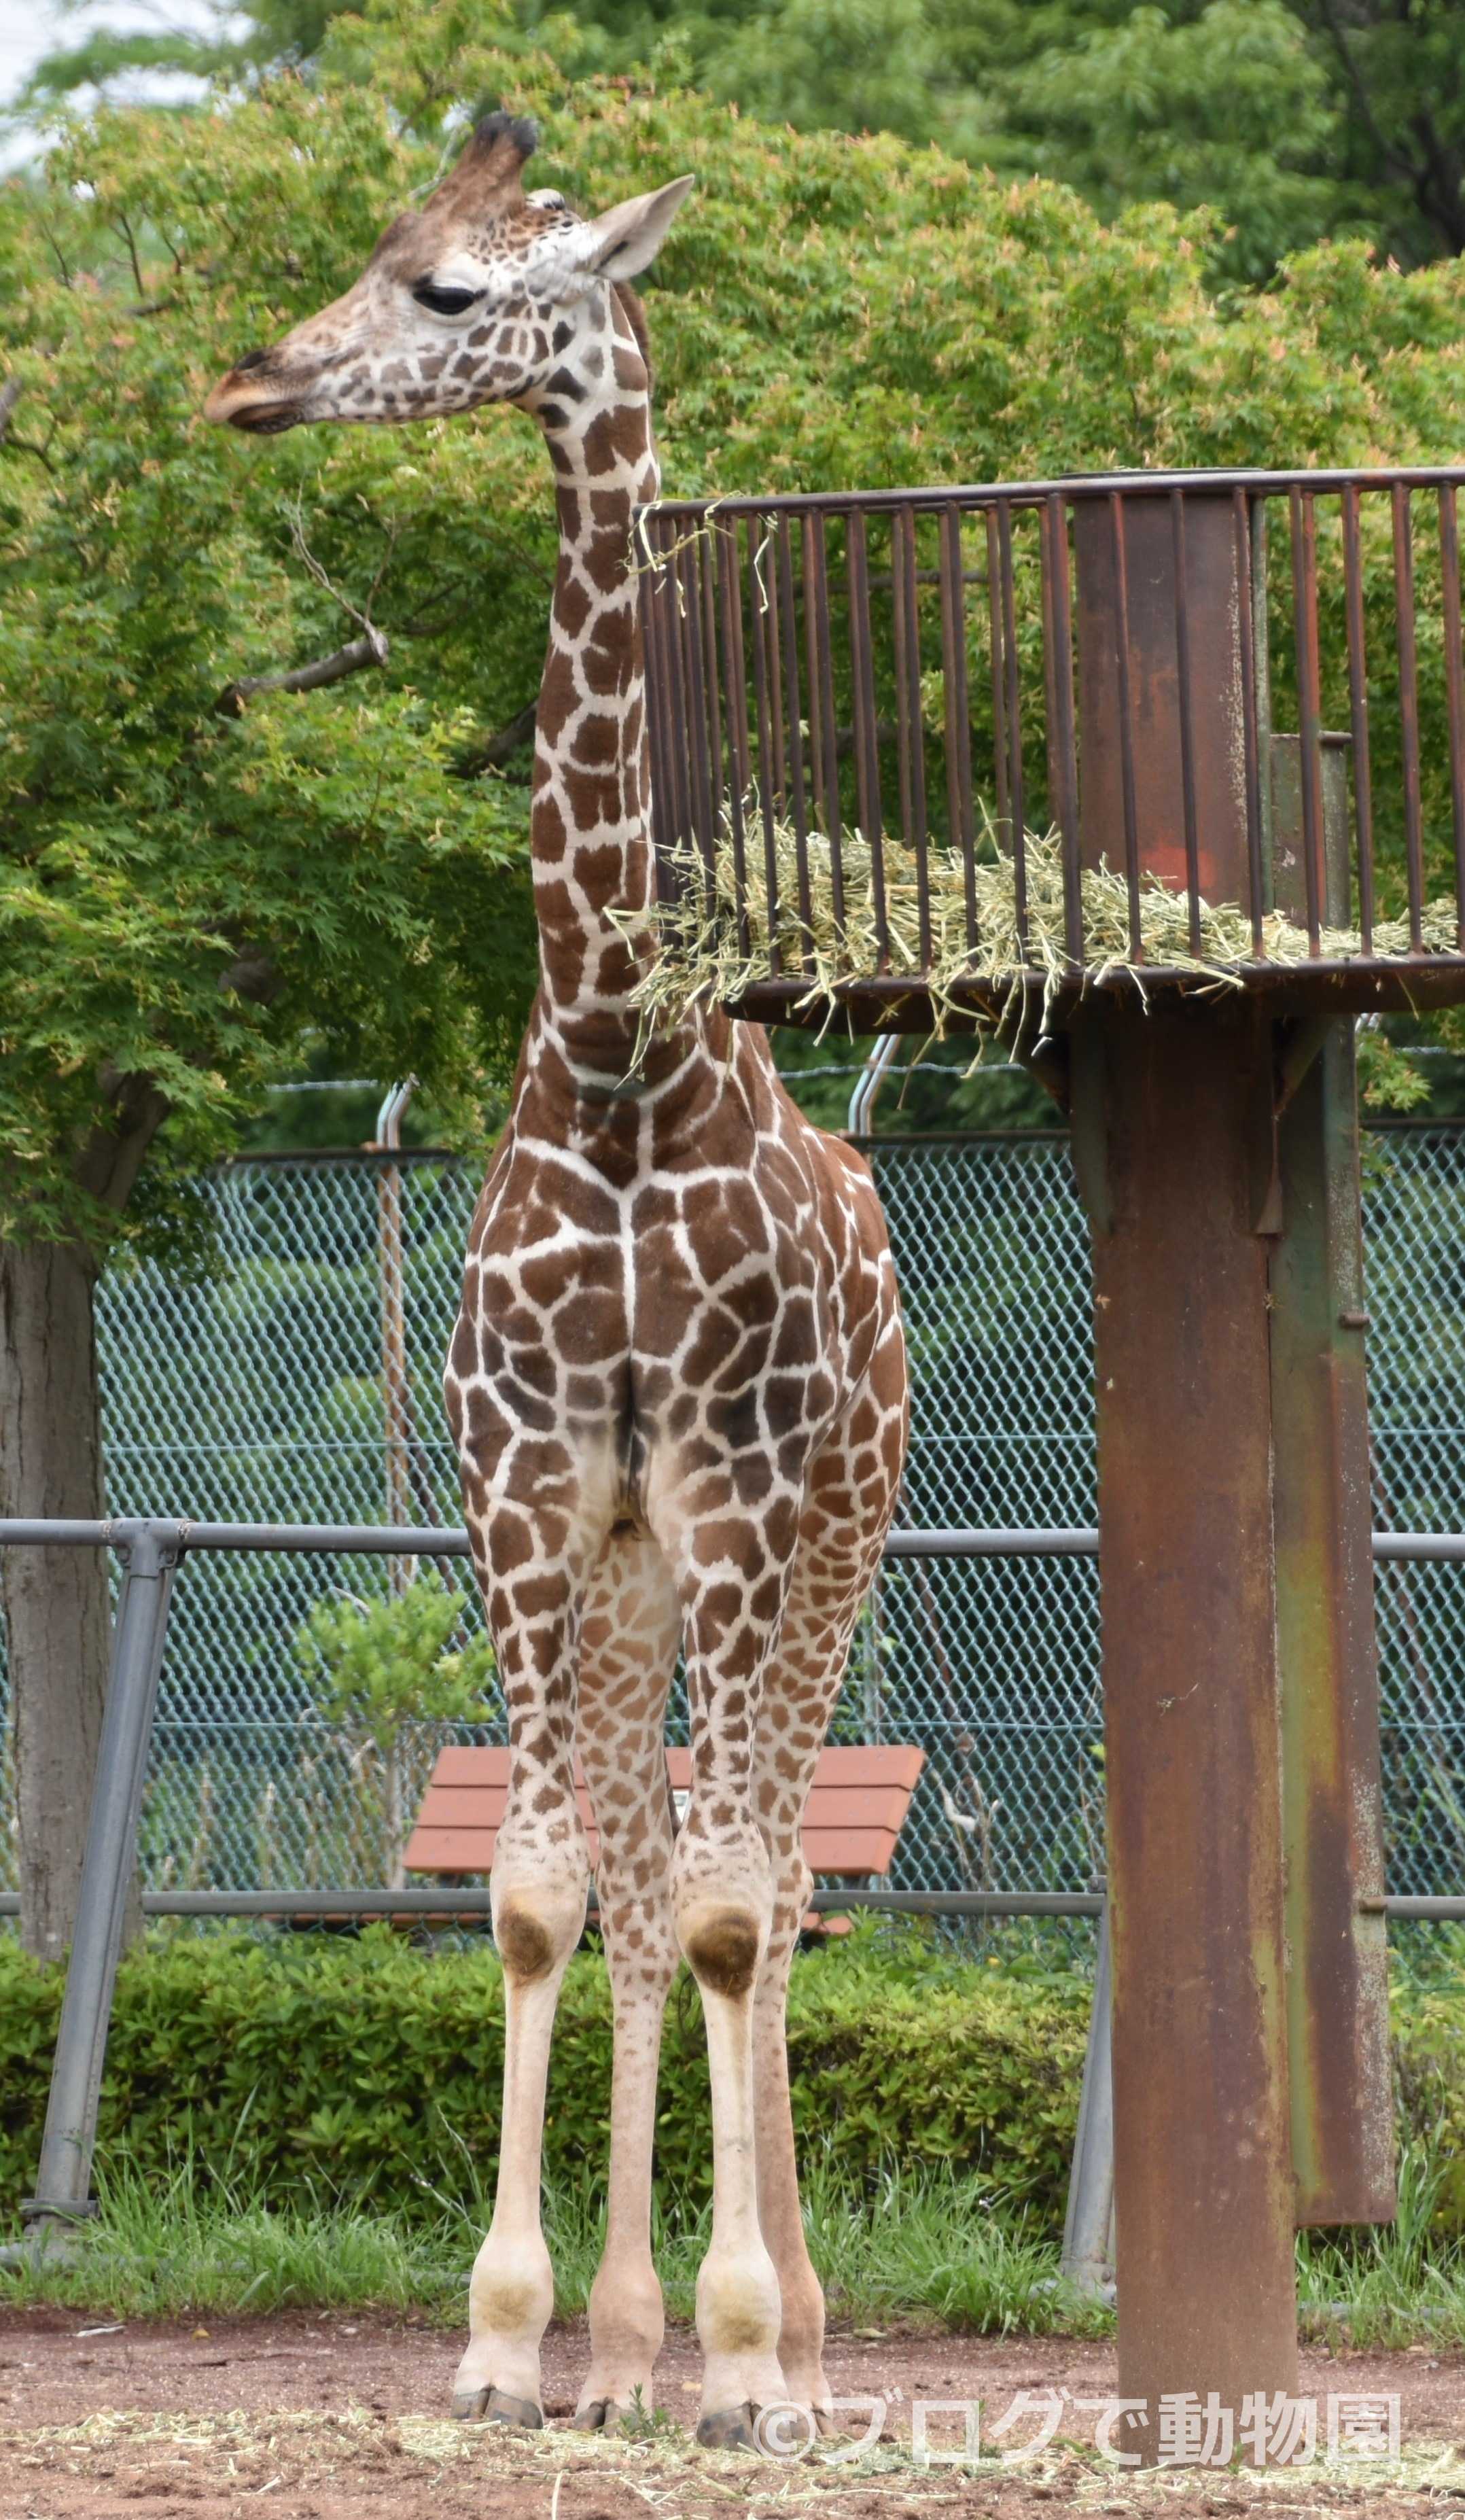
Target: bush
x=369, y=2069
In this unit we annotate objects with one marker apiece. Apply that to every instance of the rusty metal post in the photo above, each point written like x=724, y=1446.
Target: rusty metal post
x=1141, y=613
x=1336, y=1991
x=1172, y=1119
x=1174, y=1141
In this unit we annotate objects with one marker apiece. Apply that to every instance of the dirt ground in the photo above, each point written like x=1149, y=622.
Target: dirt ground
x=344, y=2419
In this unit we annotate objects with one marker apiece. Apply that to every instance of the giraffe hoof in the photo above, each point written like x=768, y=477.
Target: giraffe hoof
x=521, y=2412
x=732, y=2430
x=602, y=2415
x=490, y=2405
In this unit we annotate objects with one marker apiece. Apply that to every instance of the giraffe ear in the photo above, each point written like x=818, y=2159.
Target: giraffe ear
x=623, y=241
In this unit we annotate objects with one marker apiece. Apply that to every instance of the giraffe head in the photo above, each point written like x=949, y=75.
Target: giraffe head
x=487, y=294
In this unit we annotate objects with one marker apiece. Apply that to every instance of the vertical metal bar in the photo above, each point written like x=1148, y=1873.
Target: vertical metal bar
x=1125, y=724
x=1337, y=1982
x=766, y=777
x=696, y=719
x=1358, y=696
x=797, y=796
x=998, y=672
x=821, y=681
x=730, y=573
x=1014, y=723
x=1087, y=2262
x=64, y=2179
x=1062, y=746
x=1310, y=721
x=663, y=778
x=675, y=693
x=1262, y=680
x=1408, y=707
x=1455, y=689
x=740, y=772
x=1171, y=1111
x=866, y=736
x=811, y=539
x=958, y=711
x=1186, y=698
x=706, y=574
x=774, y=625
x=1251, y=759
x=910, y=719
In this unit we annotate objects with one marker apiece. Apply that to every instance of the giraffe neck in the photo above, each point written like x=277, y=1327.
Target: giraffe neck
x=589, y=817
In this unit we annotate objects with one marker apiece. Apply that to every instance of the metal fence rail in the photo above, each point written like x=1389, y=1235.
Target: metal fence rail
x=259, y=1389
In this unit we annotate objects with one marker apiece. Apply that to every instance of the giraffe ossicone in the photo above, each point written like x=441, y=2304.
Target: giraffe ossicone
x=677, y=1380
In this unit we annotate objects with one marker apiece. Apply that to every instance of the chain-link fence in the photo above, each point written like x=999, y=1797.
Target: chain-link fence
x=287, y=1384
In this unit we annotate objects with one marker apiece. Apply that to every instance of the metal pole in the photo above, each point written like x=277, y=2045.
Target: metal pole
x=63, y=2179
x=397, y=1428
x=1087, y=2259
x=430, y=1539
x=1175, y=1114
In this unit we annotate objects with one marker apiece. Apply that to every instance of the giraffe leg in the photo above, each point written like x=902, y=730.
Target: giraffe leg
x=532, y=1566
x=849, y=1500
x=627, y=1650
x=733, y=1582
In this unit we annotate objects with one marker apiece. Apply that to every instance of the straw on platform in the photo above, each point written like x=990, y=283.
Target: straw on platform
x=711, y=952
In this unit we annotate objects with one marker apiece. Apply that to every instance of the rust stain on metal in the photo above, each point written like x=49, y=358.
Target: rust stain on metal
x=1202, y=2155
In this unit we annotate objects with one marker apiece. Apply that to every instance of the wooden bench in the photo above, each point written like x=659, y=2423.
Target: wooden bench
x=856, y=1811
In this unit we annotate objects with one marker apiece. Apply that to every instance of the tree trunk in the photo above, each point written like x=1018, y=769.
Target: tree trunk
x=55, y=1600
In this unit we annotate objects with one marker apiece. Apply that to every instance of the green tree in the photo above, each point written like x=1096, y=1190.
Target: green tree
x=197, y=871
x=1293, y=119
x=380, y=1668
x=191, y=894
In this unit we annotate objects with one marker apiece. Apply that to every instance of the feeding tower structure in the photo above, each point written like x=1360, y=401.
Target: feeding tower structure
x=1161, y=777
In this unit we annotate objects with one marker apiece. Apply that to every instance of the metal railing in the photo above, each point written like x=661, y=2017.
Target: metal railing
x=1181, y=673
x=151, y=1550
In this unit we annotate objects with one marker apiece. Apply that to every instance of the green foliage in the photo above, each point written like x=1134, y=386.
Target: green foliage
x=192, y=901
x=187, y=894
x=1293, y=119
x=376, y=1666
x=371, y=2070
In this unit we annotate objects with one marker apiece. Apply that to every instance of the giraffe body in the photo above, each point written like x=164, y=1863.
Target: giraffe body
x=677, y=1382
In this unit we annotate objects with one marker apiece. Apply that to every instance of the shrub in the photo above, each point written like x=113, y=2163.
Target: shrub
x=369, y=2069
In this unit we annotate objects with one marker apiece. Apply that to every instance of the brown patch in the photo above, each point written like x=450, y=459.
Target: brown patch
x=524, y=1947
x=721, y=1952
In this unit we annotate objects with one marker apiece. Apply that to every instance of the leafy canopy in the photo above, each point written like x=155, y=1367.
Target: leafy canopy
x=189, y=897
x=1293, y=119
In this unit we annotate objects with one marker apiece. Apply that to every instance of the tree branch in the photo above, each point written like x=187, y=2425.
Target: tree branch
x=9, y=394
x=370, y=649
x=501, y=748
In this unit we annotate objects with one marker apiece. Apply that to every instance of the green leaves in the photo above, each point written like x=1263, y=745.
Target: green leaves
x=267, y=2063
x=188, y=900
x=379, y=1665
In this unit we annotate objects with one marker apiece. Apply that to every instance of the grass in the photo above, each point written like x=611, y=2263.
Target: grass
x=712, y=946
x=1389, y=2286
x=927, y=2245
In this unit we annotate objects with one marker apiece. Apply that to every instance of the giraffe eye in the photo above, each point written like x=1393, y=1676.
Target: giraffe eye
x=445, y=302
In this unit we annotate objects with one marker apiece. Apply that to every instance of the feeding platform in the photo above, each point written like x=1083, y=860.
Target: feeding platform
x=1163, y=776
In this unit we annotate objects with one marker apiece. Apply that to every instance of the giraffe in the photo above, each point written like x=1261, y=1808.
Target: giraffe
x=677, y=1380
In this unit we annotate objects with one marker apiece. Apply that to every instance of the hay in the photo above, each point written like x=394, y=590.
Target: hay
x=699, y=956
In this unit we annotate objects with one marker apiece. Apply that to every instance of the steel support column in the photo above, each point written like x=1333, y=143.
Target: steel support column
x=1172, y=1115
x=1337, y=1994
x=64, y=2179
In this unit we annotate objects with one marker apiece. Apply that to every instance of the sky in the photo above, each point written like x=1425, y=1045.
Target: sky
x=29, y=28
